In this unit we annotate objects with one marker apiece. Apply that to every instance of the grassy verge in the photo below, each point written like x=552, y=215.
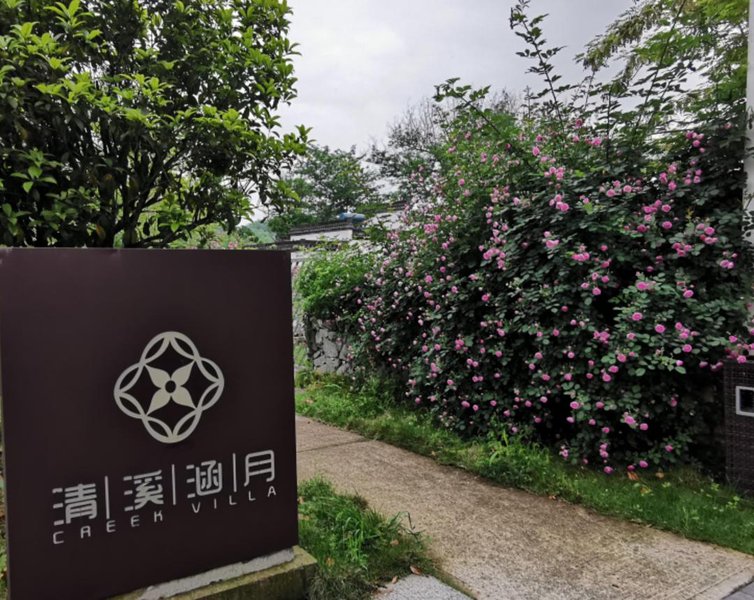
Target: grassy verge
x=683, y=501
x=357, y=549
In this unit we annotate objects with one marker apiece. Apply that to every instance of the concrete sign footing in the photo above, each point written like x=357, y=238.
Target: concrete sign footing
x=289, y=580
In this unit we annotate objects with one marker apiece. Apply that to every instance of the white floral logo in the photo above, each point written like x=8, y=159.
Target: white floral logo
x=170, y=387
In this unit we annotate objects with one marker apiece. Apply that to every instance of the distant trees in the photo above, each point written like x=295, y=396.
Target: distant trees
x=416, y=140
x=135, y=123
x=326, y=182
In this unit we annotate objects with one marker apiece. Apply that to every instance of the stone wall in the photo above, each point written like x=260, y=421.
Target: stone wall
x=328, y=349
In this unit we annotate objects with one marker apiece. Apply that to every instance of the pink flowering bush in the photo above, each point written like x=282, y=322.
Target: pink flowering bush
x=553, y=284
x=573, y=276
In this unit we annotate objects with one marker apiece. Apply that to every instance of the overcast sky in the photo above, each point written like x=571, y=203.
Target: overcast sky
x=363, y=62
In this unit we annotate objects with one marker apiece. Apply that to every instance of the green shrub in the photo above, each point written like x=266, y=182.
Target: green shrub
x=329, y=281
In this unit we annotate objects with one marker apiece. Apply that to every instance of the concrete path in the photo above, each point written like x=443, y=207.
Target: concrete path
x=746, y=593
x=420, y=587
x=504, y=544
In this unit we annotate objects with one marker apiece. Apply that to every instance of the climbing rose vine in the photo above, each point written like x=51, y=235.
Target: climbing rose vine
x=546, y=285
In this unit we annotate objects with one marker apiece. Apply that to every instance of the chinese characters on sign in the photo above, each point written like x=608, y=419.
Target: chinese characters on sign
x=87, y=506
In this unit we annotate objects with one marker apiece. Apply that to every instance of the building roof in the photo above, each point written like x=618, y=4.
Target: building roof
x=322, y=227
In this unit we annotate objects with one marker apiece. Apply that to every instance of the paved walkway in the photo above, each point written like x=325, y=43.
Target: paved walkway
x=504, y=544
x=746, y=593
x=421, y=587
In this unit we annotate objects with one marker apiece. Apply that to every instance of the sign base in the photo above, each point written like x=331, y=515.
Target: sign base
x=284, y=575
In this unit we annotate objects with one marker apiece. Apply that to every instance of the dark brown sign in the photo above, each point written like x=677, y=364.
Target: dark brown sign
x=148, y=417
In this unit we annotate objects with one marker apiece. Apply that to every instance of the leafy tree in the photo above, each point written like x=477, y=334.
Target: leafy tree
x=683, y=67
x=663, y=42
x=134, y=123
x=215, y=237
x=332, y=181
x=416, y=139
x=413, y=139
x=327, y=182
x=282, y=220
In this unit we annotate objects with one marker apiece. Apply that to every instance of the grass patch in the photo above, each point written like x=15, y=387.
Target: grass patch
x=357, y=549
x=684, y=501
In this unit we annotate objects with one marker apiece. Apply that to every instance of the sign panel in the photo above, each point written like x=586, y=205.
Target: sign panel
x=148, y=415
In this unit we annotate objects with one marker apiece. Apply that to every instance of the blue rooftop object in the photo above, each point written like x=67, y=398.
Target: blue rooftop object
x=350, y=216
